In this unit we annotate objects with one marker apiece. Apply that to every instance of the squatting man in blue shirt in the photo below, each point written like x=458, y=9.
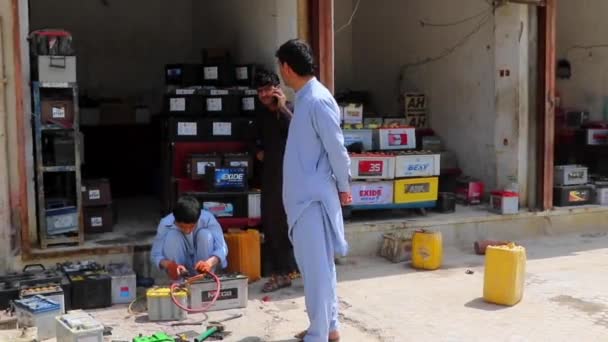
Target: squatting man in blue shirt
x=189, y=240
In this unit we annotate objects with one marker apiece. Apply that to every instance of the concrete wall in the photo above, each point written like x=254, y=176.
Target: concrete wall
x=583, y=23
x=343, y=45
x=460, y=86
x=123, y=47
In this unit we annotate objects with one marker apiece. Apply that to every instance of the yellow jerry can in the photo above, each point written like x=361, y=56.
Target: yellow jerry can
x=504, y=276
x=427, y=250
x=244, y=255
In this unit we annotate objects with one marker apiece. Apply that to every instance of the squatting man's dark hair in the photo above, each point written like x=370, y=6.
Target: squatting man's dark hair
x=187, y=210
x=298, y=55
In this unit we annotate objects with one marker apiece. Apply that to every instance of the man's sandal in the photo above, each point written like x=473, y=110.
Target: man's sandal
x=276, y=283
x=300, y=337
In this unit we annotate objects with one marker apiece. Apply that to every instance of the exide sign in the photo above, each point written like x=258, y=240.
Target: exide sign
x=370, y=193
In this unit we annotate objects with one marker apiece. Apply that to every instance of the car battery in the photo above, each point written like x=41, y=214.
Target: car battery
x=233, y=129
x=372, y=193
x=63, y=151
x=449, y=161
x=197, y=164
x=222, y=102
x=504, y=202
x=9, y=291
x=576, y=118
x=223, y=204
x=227, y=179
x=233, y=293
x=446, y=202
x=61, y=220
x=570, y=175
x=124, y=283
x=98, y=219
x=51, y=291
x=416, y=190
x=353, y=114
x=361, y=136
x=417, y=164
x=91, y=290
x=597, y=136
x=372, y=166
x=78, y=326
x=402, y=138
x=96, y=192
x=183, y=129
x=372, y=122
x=250, y=103
x=44, y=277
x=69, y=267
x=58, y=112
x=54, y=69
x=600, y=192
x=394, y=122
x=39, y=312
x=254, y=205
x=184, y=74
x=185, y=101
x=161, y=306
x=239, y=160
x=573, y=195
x=432, y=143
x=218, y=75
x=469, y=190
x=244, y=75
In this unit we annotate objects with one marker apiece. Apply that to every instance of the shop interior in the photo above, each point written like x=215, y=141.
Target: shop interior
x=122, y=49
x=581, y=126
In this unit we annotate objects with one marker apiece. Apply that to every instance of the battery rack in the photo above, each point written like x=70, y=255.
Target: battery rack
x=57, y=160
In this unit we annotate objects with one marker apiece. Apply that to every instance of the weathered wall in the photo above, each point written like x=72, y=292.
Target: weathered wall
x=343, y=45
x=460, y=86
x=583, y=23
x=123, y=47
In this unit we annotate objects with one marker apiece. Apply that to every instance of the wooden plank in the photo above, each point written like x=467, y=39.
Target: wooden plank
x=325, y=14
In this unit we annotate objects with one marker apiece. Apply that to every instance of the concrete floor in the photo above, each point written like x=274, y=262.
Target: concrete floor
x=565, y=299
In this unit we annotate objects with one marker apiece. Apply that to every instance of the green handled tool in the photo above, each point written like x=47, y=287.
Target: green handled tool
x=213, y=328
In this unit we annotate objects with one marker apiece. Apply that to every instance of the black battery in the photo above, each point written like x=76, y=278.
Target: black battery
x=249, y=102
x=244, y=74
x=229, y=129
x=69, y=267
x=218, y=75
x=48, y=277
x=446, y=202
x=9, y=291
x=239, y=160
x=185, y=102
x=184, y=128
x=184, y=74
x=223, y=204
x=91, y=290
x=575, y=195
x=221, y=103
x=32, y=275
x=227, y=179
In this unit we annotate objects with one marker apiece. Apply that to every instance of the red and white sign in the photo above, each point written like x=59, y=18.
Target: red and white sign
x=372, y=193
x=403, y=138
x=372, y=166
x=597, y=136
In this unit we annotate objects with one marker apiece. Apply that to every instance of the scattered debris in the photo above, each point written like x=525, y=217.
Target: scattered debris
x=469, y=272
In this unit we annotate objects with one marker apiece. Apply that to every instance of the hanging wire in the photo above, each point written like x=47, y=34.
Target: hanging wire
x=458, y=22
x=350, y=20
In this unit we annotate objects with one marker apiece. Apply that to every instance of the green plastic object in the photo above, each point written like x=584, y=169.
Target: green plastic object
x=206, y=334
x=158, y=337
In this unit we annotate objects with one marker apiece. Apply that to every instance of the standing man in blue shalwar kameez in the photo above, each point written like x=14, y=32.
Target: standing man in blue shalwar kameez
x=316, y=183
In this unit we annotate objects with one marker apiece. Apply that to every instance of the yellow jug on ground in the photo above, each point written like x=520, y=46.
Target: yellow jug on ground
x=427, y=250
x=504, y=275
x=244, y=254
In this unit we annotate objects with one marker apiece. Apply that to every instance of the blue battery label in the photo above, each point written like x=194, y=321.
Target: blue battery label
x=230, y=178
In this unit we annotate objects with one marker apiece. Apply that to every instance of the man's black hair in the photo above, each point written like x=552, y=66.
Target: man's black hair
x=298, y=55
x=265, y=78
x=187, y=210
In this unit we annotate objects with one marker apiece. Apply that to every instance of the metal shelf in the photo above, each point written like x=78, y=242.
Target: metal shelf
x=41, y=170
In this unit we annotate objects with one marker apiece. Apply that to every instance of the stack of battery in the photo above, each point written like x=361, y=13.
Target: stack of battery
x=99, y=216
x=571, y=186
x=209, y=128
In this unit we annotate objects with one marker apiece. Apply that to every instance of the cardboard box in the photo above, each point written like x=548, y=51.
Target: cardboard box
x=98, y=219
x=96, y=192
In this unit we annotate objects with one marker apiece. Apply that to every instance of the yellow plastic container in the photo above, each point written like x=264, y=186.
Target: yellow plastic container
x=427, y=250
x=504, y=275
x=416, y=190
x=244, y=253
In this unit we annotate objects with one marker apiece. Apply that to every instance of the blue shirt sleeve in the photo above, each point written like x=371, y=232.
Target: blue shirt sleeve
x=220, y=249
x=326, y=121
x=156, y=254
